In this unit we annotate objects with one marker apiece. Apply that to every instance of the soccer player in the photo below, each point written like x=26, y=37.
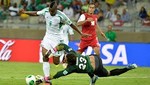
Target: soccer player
x=68, y=34
x=53, y=36
x=89, y=24
x=92, y=65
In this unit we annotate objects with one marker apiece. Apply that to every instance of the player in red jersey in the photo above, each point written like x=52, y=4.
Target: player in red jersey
x=89, y=24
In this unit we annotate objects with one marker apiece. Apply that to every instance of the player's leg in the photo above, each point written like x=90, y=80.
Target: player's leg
x=93, y=79
x=102, y=72
x=58, y=57
x=96, y=46
x=99, y=68
x=82, y=46
x=46, y=65
x=119, y=71
x=95, y=64
x=97, y=50
x=62, y=58
x=46, y=51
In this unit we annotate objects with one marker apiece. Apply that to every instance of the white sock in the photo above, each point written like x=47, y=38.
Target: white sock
x=46, y=69
x=62, y=56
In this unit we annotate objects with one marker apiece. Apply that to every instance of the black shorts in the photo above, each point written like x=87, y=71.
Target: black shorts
x=99, y=69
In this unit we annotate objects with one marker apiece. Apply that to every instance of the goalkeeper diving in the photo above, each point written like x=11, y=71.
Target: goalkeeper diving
x=90, y=64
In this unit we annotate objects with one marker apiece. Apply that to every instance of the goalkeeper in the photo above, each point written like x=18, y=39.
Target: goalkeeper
x=92, y=65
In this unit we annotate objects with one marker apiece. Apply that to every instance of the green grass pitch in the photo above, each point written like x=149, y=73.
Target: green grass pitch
x=14, y=73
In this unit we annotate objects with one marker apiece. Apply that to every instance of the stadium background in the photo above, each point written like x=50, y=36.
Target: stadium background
x=19, y=50
x=27, y=34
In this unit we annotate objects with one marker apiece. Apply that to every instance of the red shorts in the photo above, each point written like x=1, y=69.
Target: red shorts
x=85, y=43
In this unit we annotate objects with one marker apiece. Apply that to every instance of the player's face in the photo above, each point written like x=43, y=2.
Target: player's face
x=109, y=27
x=91, y=8
x=53, y=11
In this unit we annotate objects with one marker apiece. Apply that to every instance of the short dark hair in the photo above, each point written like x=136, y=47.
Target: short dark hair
x=71, y=59
x=92, y=3
x=52, y=4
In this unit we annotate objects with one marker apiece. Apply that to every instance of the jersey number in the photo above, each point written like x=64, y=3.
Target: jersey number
x=82, y=65
x=50, y=23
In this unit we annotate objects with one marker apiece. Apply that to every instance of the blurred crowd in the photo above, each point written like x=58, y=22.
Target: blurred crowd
x=106, y=9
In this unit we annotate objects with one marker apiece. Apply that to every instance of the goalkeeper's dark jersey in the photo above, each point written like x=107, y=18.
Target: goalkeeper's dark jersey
x=83, y=65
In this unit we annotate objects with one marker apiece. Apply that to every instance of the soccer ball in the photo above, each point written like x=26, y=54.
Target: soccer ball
x=30, y=80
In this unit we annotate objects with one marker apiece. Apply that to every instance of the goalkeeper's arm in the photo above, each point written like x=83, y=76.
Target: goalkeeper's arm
x=65, y=47
x=64, y=72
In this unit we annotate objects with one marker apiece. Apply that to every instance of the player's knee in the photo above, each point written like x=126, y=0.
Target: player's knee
x=104, y=73
x=45, y=59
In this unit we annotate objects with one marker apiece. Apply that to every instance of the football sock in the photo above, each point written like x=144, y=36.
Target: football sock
x=116, y=72
x=46, y=69
x=61, y=57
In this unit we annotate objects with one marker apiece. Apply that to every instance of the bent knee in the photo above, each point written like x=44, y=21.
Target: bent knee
x=103, y=73
x=45, y=59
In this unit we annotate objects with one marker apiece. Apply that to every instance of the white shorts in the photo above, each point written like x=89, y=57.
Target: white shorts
x=50, y=43
x=66, y=41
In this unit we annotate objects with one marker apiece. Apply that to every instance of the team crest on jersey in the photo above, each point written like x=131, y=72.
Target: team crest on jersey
x=69, y=49
x=65, y=72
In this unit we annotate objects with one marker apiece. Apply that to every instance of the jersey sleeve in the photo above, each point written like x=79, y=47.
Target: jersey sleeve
x=64, y=18
x=42, y=12
x=65, y=72
x=82, y=18
x=65, y=47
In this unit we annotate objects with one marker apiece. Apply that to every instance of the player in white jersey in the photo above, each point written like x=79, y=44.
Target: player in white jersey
x=53, y=36
x=67, y=36
x=67, y=33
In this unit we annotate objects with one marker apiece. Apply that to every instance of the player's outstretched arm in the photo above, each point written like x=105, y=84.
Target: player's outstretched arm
x=101, y=32
x=60, y=74
x=75, y=28
x=63, y=46
x=33, y=13
x=82, y=34
x=64, y=72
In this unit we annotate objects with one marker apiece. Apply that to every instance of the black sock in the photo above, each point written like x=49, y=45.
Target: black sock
x=116, y=72
x=91, y=75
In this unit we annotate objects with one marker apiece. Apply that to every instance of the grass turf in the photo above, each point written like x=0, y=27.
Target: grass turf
x=14, y=73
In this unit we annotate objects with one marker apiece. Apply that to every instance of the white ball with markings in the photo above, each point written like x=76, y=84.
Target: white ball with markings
x=30, y=80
